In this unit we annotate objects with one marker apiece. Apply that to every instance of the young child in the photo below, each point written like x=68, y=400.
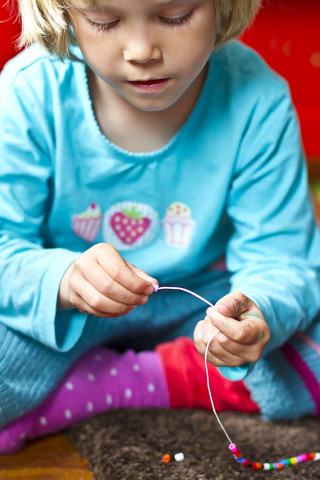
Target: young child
x=136, y=132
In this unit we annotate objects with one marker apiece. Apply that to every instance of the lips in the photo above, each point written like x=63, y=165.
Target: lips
x=154, y=84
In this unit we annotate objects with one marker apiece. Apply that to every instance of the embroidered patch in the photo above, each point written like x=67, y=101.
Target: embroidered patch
x=178, y=225
x=87, y=224
x=130, y=225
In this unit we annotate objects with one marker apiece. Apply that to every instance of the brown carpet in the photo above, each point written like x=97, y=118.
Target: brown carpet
x=129, y=445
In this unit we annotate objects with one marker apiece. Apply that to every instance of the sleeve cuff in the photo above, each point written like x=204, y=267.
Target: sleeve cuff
x=59, y=330
x=236, y=373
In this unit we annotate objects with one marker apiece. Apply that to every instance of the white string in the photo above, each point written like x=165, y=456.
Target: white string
x=156, y=288
x=209, y=389
x=187, y=291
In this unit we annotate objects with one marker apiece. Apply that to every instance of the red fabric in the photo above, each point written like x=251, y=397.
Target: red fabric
x=187, y=383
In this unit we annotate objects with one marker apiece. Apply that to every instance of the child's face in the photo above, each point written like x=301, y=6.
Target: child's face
x=149, y=51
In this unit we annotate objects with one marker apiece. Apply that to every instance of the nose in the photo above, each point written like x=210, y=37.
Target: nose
x=140, y=48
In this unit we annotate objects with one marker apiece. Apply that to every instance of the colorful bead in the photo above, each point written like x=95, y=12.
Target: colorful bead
x=233, y=448
x=275, y=465
x=179, y=457
x=166, y=458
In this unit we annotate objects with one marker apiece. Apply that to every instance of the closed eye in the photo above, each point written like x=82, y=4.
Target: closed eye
x=173, y=21
x=102, y=26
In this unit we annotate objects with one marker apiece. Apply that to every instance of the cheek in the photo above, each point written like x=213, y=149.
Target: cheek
x=197, y=46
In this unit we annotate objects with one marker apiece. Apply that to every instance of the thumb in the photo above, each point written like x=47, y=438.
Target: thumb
x=232, y=305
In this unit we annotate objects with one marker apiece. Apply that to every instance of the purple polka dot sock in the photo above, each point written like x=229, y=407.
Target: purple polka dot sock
x=102, y=380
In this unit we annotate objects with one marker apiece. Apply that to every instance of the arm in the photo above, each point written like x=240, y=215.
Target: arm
x=274, y=250
x=37, y=279
x=30, y=273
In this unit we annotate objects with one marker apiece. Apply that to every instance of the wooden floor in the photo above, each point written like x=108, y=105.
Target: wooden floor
x=51, y=458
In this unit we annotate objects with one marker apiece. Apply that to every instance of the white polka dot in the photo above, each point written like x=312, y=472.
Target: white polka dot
x=90, y=407
x=98, y=358
x=113, y=372
x=151, y=387
x=128, y=393
x=68, y=414
x=43, y=420
x=136, y=367
x=108, y=399
x=69, y=386
x=91, y=377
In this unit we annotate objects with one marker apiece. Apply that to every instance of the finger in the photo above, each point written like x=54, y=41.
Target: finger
x=203, y=334
x=104, y=284
x=233, y=304
x=88, y=300
x=221, y=359
x=119, y=271
x=142, y=274
x=223, y=347
x=244, y=332
x=206, y=335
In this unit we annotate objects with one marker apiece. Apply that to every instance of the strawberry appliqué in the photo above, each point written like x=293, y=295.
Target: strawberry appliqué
x=129, y=225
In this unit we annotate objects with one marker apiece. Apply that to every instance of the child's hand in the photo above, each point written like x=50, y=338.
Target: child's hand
x=243, y=332
x=102, y=283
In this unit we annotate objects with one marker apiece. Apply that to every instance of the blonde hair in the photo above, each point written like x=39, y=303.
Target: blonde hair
x=47, y=22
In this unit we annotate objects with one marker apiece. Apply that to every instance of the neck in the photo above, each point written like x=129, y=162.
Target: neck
x=144, y=130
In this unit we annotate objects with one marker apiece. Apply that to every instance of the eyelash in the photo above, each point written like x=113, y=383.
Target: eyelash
x=172, y=22
x=101, y=27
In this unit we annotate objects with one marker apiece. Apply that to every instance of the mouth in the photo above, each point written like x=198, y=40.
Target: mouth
x=153, y=85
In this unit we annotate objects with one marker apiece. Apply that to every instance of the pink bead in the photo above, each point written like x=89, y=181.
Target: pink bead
x=233, y=448
x=302, y=458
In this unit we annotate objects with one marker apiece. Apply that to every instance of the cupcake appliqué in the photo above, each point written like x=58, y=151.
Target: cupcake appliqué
x=178, y=225
x=130, y=225
x=87, y=224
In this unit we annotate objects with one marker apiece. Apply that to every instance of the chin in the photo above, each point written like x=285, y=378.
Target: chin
x=155, y=106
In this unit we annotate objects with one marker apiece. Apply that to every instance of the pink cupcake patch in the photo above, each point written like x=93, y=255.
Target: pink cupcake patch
x=87, y=224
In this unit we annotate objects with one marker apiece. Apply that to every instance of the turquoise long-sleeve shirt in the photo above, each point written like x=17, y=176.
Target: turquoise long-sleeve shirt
x=231, y=182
